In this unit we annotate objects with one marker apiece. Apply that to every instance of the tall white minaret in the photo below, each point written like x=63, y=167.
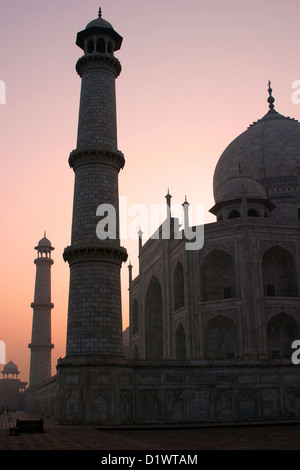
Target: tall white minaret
x=94, y=312
x=40, y=346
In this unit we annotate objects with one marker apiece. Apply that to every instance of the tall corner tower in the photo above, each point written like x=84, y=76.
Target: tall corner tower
x=94, y=313
x=40, y=346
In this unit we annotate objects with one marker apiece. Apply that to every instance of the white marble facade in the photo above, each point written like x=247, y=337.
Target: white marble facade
x=237, y=298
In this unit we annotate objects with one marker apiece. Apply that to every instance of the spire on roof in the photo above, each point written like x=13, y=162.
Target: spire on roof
x=100, y=13
x=270, y=99
x=168, y=198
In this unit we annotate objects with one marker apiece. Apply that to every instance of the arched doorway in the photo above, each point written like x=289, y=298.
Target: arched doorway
x=279, y=273
x=281, y=331
x=221, y=339
x=218, y=276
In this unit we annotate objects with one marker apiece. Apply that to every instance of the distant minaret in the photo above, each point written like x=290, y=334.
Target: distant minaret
x=40, y=346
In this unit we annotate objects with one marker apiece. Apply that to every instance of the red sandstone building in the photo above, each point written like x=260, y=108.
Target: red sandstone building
x=11, y=388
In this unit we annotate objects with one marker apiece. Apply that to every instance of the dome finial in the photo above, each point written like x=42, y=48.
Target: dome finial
x=270, y=99
x=100, y=13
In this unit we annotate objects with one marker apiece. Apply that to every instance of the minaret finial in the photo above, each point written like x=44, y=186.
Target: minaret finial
x=270, y=99
x=168, y=198
x=185, y=202
x=100, y=13
x=45, y=233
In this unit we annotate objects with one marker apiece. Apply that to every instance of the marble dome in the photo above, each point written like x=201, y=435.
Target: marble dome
x=44, y=242
x=99, y=23
x=233, y=189
x=267, y=152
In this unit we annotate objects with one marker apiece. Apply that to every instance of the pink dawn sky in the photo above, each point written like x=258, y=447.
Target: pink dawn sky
x=194, y=77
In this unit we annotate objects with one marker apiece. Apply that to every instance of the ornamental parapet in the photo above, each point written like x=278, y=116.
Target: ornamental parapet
x=96, y=60
x=40, y=347
x=81, y=157
x=43, y=260
x=80, y=254
x=267, y=221
x=41, y=305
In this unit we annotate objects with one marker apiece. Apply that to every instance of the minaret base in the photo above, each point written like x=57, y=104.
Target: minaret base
x=93, y=389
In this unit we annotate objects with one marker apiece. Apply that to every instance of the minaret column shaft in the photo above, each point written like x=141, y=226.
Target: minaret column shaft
x=97, y=125
x=94, y=312
x=95, y=183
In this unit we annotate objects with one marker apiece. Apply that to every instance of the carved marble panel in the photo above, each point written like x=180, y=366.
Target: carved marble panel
x=199, y=405
x=292, y=402
x=72, y=407
x=97, y=377
x=247, y=404
x=148, y=378
x=223, y=405
x=175, y=378
x=98, y=407
x=149, y=406
x=125, y=407
x=270, y=403
x=175, y=406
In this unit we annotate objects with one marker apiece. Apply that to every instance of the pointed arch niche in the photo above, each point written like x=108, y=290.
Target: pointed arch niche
x=281, y=331
x=221, y=339
x=135, y=317
x=178, y=286
x=135, y=353
x=279, y=273
x=218, y=276
x=154, y=321
x=180, y=343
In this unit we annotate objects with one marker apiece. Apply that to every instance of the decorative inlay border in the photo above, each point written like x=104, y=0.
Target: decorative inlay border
x=288, y=245
x=232, y=313
x=280, y=184
x=226, y=246
x=273, y=310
